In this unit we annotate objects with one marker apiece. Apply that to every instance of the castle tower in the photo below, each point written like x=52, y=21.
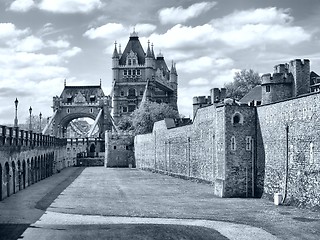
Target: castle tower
x=288, y=80
x=301, y=75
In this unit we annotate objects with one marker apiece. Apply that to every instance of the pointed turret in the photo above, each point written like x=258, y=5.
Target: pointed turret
x=120, y=52
x=115, y=51
x=173, y=69
x=115, y=57
x=149, y=53
x=152, y=52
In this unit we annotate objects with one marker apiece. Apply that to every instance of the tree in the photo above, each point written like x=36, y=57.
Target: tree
x=35, y=123
x=243, y=82
x=144, y=117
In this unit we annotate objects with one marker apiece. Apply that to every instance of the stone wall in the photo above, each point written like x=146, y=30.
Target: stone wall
x=203, y=150
x=119, y=150
x=290, y=132
x=185, y=151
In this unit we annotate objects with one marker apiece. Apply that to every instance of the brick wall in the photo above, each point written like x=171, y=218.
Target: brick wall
x=299, y=147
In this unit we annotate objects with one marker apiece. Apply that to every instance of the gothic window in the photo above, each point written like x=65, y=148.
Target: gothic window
x=129, y=72
x=268, y=88
x=68, y=110
x=129, y=61
x=132, y=92
x=125, y=72
x=237, y=118
x=233, y=143
x=138, y=72
x=248, y=143
x=122, y=93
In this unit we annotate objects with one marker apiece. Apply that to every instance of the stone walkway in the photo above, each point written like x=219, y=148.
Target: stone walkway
x=133, y=204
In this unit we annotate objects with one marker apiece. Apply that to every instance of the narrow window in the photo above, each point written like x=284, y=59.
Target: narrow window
x=91, y=110
x=114, y=147
x=125, y=72
x=124, y=109
x=267, y=88
x=248, y=143
x=127, y=147
x=133, y=62
x=138, y=72
x=311, y=153
x=122, y=93
x=141, y=92
x=129, y=72
x=129, y=62
x=133, y=72
x=68, y=110
x=233, y=143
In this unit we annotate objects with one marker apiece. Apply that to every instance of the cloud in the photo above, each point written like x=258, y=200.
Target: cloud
x=243, y=29
x=72, y=52
x=70, y=6
x=109, y=31
x=9, y=30
x=199, y=81
x=22, y=5
x=204, y=64
x=145, y=28
x=58, y=44
x=29, y=44
x=181, y=15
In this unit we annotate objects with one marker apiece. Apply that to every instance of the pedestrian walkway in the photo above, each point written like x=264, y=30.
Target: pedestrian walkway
x=133, y=204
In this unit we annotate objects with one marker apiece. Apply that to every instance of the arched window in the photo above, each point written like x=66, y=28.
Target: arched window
x=237, y=118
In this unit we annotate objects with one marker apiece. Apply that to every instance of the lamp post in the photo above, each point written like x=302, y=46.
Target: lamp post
x=16, y=113
x=30, y=124
x=40, y=116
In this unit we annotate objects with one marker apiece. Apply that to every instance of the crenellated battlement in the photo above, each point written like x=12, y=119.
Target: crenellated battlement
x=277, y=78
x=15, y=137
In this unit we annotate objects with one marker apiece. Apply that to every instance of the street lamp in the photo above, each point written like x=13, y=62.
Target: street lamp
x=30, y=124
x=40, y=115
x=16, y=113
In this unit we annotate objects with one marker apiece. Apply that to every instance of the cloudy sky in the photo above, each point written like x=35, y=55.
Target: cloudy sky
x=43, y=42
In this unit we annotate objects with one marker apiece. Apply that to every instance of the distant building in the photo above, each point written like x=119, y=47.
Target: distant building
x=132, y=70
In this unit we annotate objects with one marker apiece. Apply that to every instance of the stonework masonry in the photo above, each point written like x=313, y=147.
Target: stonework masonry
x=119, y=150
x=248, y=150
x=212, y=149
x=291, y=146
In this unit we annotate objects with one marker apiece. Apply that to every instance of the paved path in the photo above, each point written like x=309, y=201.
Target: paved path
x=132, y=204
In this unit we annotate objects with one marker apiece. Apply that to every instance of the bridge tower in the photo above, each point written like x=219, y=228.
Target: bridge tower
x=79, y=102
x=132, y=70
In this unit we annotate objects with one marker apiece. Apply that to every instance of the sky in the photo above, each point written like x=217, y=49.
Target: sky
x=43, y=42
